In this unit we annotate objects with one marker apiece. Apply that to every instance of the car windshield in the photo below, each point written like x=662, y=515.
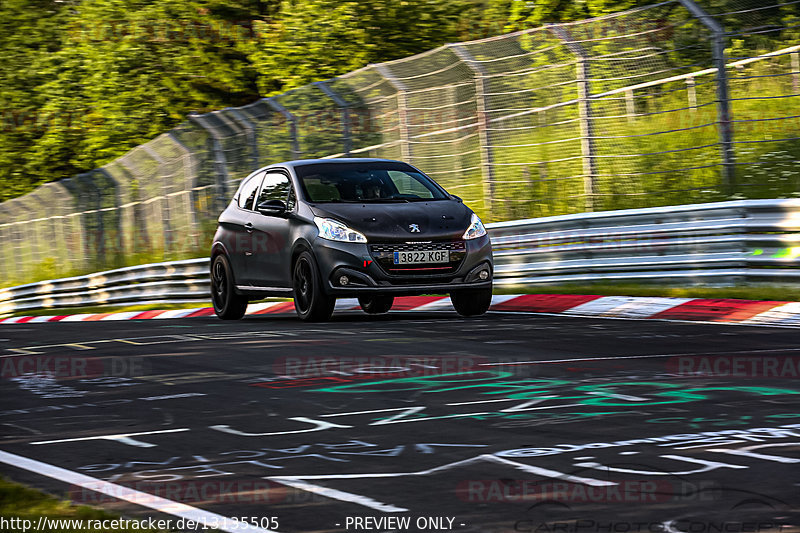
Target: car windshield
x=367, y=182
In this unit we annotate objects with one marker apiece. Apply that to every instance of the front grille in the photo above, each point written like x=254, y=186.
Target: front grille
x=383, y=255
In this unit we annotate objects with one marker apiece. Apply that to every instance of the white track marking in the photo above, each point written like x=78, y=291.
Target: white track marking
x=599, y=306
x=368, y=412
x=301, y=482
x=786, y=314
x=126, y=494
x=672, y=320
x=40, y=319
x=174, y=313
x=626, y=306
x=442, y=304
x=748, y=452
x=344, y=304
x=319, y=425
x=254, y=308
x=122, y=316
x=340, y=495
x=76, y=318
x=646, y=307
x=545, y=472
x=124, y=438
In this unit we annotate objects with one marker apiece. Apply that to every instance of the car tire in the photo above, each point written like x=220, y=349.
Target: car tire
x=376, y=305
x=227, y=304
x=310, y=300
x=471, y=302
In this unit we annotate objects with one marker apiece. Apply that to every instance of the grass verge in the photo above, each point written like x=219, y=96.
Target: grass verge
x=20, y=502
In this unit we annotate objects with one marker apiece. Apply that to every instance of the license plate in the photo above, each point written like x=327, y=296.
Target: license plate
x=425, y=256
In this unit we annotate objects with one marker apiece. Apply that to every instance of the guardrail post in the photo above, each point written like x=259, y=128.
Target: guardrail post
x=344, y=107
x=584, y=113
x=402, y=109
x=723, y=93
x=487, y=161
x=220, y=162
x=292, y=121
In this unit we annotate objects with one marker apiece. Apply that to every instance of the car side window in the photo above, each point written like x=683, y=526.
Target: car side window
x=248, y=191
x=276, y=186
x=408, y=185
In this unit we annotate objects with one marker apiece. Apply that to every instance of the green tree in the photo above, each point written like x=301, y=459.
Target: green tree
x=312, y=40
x=30, y=31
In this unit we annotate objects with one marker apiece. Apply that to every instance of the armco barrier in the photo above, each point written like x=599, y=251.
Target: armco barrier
x=715, y=243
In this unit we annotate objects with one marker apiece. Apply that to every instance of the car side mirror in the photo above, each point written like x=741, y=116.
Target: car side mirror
x=274, y=208
x=456, y=198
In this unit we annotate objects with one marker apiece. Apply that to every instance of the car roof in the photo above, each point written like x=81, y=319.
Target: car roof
x=302, y=162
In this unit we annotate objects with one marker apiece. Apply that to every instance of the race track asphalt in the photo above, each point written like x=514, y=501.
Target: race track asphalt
x=506, y=422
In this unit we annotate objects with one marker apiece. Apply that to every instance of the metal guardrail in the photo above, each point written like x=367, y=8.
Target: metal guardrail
x=187, y=279
x=715, y=243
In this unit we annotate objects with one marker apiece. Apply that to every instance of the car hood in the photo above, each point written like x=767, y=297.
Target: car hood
x=387, y=222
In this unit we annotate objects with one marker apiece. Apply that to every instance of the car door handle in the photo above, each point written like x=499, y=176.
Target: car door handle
x=249, y=227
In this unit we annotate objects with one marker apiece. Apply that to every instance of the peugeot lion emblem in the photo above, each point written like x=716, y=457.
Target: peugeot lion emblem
x=413, y=228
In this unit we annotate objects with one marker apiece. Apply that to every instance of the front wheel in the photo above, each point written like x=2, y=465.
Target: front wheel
x=471, y=302
x=375, y=305
x=310, y=300
x=227, y=304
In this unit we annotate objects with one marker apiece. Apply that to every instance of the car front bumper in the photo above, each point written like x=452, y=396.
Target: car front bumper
x=365, y=276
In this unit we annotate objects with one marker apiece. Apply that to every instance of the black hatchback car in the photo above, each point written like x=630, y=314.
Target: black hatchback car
x=373, y=229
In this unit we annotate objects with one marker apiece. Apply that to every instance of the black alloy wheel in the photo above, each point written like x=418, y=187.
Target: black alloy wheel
x=227, y=304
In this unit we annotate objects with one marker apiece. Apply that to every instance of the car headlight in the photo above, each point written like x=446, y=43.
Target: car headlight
x=475, y=229
x=333, y=230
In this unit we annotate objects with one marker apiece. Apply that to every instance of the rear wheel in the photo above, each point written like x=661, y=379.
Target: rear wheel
x=227, y=304
x=471, y=302
x=310, y=300
x=375, y=305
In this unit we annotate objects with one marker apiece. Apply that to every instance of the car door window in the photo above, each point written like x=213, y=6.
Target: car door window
x=247, y=193
x=276, y=186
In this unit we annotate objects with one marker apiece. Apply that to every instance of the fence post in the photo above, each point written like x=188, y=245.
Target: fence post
x=220, y=162
x=292, y=120
x=78, y=255
x=402, y=110
x=249, y=128
x=344, y=107
x=100, y=234
x=11, y=238
x=190, y=163
x=584, y=113
x=691, y=93
x=166, y=212
x=723, y=93
x=487, y=161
